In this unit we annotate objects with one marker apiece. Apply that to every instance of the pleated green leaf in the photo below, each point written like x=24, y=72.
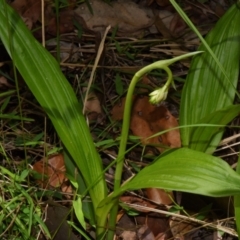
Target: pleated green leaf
x=200, y=135
x=52, y=90
x=186, y=170
x=237, y=202
x=207, y=89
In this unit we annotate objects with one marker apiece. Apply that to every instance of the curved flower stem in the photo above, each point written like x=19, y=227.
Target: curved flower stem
x=170, y=76
x=160, y=94
x=124, y=136
x=162, y=64
x=127, y=115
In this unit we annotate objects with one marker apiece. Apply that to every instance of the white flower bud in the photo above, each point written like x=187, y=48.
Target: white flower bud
x=158, y=95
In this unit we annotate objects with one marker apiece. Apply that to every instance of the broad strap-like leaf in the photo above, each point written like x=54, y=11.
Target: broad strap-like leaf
x=188, y=171
x=237, y=202
x=183, y=170
x=52, y=90
x=201, y=137
x=206, y=89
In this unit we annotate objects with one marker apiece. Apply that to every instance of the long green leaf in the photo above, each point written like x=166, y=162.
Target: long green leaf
x=237, y=202
x=191, y=171
x=188, y=171
x=207, y=89
x=183, y=170
x=45, y=79
x=201, y=137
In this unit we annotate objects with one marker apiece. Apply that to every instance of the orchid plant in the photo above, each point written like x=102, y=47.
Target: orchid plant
x=176, y=170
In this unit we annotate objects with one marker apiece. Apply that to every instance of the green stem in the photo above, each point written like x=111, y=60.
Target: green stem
x=124, y=137
x=170, y=76
x=162, y=64
x=101, y=222
x=127, y=115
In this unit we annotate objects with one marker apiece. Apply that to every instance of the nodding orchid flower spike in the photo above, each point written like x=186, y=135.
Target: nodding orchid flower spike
x=160, y=94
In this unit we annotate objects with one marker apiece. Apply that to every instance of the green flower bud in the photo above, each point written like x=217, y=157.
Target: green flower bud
x=159, y=95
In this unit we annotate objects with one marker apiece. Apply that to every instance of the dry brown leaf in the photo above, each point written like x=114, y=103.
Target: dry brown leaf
x=163, y=3
x=161, y=236
x=19, y=6
x=53, y=171
x=149, y=2
x=159, y=196
x=157, y=224
x=177, y=25
x=56, y=222
x=129, y=235
x=170, y=24
x=117, y=14
x=162, y=23
x=28, y=22
x=120, y=215
x=93, y=108
x=147, y=120
x=65, y=23
x=69, y=52
x=218, y=8
x=4, y=82
x=33, y=11
x=30, y=10
x=145, y=233
x=179, y=228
